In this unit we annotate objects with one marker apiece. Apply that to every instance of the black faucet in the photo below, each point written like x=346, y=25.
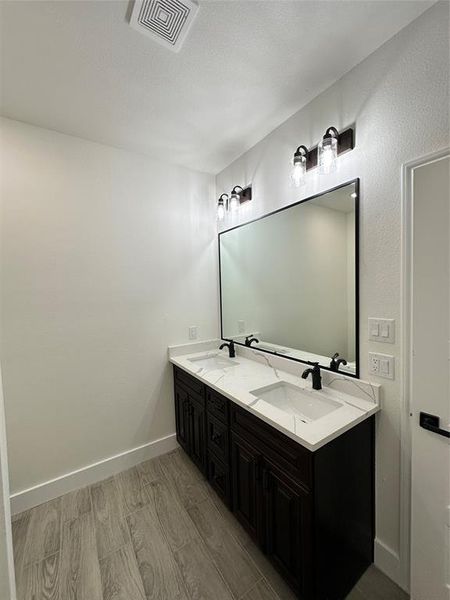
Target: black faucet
x=250, y=339
x=335, y=364
x=315, y=373
x=230, y=346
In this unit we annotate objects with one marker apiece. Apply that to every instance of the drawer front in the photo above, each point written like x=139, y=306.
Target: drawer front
x=219, y=478
x=195, y=387
x=217, y=405
x=218, y=438
x=286, y=453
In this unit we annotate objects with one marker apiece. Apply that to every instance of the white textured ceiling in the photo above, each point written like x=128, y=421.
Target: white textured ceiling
x=79, y=68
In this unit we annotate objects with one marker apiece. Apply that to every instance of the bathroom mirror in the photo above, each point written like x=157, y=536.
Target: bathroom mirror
x=290, y=279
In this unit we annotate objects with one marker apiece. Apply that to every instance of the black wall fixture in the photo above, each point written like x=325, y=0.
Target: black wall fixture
x=345, y=142
x=238, y=196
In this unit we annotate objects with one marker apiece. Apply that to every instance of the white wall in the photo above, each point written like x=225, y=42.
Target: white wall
x=107, y=258
x=398, y=100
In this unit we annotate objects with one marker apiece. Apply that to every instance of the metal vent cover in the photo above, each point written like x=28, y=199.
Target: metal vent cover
x=165, y=21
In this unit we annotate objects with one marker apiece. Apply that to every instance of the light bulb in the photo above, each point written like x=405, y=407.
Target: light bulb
x=298, y=172
x=220, y=211
x=327, y=154
x=234, y=202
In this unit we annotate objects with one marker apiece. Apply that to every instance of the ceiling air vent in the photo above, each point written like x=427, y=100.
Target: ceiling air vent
x=165, y=21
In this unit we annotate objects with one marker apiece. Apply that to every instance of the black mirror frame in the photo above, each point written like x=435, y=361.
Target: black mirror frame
x=356, y=183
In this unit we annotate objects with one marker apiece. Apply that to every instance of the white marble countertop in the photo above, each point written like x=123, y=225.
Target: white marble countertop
x=236, y=382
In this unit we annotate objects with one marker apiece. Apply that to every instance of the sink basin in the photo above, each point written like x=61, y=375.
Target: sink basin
x=308, y=406
x=210, y=362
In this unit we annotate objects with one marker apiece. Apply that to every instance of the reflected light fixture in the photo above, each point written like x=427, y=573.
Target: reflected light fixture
x=222, y=205
x=327, y=151
x=299, y=166
x=235, y=199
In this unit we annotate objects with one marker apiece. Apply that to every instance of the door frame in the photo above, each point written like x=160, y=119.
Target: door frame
x=407, y=193
x=5, y=510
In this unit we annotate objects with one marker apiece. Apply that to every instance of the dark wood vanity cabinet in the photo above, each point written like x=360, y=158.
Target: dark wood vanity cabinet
x=312, y=513
x=190, y=418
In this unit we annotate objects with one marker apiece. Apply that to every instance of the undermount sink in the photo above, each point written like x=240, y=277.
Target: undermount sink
x=308, y=406
x=211, y=362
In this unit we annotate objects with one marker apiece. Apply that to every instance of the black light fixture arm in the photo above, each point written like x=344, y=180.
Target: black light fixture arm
x=331, y=132
x=302, y=151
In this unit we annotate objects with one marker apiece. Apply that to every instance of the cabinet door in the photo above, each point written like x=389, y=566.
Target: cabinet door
x=219, y=477
x=287, y=522
x=197, y=441
x=245, y=468
x=182, y=417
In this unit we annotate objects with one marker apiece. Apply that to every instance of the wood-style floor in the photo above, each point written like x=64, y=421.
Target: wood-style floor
x=154, y=532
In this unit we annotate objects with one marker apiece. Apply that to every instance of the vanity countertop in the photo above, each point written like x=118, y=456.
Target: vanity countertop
x=237, y=381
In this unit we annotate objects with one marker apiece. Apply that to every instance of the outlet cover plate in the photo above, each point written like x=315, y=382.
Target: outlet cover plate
x=382, y=365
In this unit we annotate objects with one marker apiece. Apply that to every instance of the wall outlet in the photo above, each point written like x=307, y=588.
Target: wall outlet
x=382, y=330
x=381, y=365
x=241, y=326
x=193, y=332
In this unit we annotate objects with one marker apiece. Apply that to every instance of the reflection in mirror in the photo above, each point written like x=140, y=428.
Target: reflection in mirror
x=289, y=279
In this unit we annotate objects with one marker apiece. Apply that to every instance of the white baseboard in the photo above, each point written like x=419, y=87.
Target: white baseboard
x=388, y=561
x=90, y=474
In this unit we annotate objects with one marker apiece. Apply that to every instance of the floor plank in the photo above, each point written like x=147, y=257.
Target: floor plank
x=356, y=594
x=235, y=565
x=120, y=575
x=185, y=478
x=19, y=534
x=41, y=580
x=156, y=563
x=269, y=572
x=173, y=517
x=75, y=504
x=375, y=585
x=110, y=527
x=200, y=575
x=80, y=570
x=132, y=495
x=150, y=471
x=261, y=591
x=233, y=525
x=44, y=532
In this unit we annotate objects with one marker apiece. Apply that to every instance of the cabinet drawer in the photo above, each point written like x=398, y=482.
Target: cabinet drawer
x=286, y=453
x=217, y=438
x=219, y=478
x=217, y=405
x=195, y=387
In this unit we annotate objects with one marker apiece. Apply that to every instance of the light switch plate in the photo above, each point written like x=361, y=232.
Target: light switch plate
x=381, y=365
x=193, y=332
x=382, y=330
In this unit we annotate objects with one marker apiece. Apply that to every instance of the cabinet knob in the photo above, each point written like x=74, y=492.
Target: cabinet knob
x=216, y=437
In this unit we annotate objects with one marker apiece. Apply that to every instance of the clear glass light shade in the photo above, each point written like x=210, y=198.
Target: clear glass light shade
x=298, y=171
x=327, y=154
x=220, y=211
x=234, y=202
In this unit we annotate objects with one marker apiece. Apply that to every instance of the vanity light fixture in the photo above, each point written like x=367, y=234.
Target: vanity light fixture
x=222, y=206
x=323, y=155
x=232, y=202
x=299, y=166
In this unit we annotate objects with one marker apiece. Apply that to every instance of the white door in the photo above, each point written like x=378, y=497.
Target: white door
x=430, y=378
